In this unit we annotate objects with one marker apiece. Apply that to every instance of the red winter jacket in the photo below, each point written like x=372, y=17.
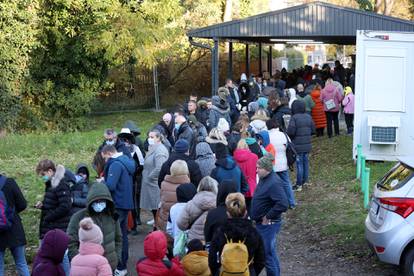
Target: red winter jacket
x=155, y=248
x=247, y=162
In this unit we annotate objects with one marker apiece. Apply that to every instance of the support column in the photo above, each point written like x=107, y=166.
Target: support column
x=260, y=59
x=247, y=61
x=269, y=61
x=230, y=63
x=215, y=68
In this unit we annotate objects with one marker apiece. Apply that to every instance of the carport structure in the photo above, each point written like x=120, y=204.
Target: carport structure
x=304, y=24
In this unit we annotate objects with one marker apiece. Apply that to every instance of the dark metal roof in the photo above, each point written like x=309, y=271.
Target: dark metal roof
x=318, y=21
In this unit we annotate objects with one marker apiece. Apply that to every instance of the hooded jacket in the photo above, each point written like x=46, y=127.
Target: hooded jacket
x=218, y=216
x=118, y=175
x=155, y=248
x=307, y=99
x=90, y=261
x=185, y=193
x=279, y=141
x=219, y=109
x=247, y=162
x=79, y=190
x=193, y=216
x=57, y=203
x=227, y=169
x=318, y=114
x=301, y=128
x=196, y=264
x=50, y=255
x=264, y=136
x=107, y=221
x=169, y=197
x=205, y=159
x=278, y=113
x=15, y=236
x=238, y=230
x=331, y=92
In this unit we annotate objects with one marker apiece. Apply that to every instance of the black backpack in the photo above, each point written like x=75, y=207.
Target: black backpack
x=290, y=152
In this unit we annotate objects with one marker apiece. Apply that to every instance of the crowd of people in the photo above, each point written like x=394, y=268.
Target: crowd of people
x=214, y=174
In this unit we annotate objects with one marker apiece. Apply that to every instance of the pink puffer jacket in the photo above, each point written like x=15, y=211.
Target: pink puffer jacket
x=90, y=261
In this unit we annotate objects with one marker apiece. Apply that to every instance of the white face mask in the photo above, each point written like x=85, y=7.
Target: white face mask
x=151, y=141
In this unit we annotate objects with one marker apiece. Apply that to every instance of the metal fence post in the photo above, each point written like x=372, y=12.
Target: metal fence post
x=366, y=190
x=359, y=156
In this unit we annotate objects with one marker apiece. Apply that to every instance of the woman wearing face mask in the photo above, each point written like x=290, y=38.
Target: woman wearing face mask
x=100, y=207
x=156, y=156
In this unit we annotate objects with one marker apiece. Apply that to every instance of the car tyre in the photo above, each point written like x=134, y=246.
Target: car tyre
x=407, y=265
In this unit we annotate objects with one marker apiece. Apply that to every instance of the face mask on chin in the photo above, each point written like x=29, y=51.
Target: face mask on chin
x=110, y=142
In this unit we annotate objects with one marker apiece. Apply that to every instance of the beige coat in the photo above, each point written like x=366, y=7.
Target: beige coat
x=195, y=213
x=169, y=197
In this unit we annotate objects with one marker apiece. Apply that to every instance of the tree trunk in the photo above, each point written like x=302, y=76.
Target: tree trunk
x=388, y=7
x=378, y=6
x=228, y=11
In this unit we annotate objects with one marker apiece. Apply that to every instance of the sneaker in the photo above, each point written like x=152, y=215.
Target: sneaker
x=120, y=272
x=297, y=188
x=151, y=222
x=307, y=184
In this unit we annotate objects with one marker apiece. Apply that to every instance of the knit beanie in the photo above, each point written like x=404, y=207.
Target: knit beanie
x=221, y=151
x=181, y=146
x=266, y=162
x=89, y=231
x=192, y=119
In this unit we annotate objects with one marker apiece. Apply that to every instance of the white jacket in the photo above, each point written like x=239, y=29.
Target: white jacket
x=279, y=141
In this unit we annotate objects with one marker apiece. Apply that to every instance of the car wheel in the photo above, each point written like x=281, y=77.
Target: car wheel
x=407, y=265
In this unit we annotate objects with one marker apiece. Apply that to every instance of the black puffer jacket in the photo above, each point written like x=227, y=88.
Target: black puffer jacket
x=184, y=132
x=301, y=128
x=277, y=115
x=237, y=229
x=56, y=209
x=15, y=236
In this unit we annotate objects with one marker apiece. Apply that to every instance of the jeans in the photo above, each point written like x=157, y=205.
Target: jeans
x=269, y=237
x=123, y=222
x=302, y=168
x=65, y=262
x=332, y=117
x=287, y=187
x=19, y=259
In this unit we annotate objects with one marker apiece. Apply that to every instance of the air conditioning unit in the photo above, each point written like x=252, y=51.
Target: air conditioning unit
x=383, y=130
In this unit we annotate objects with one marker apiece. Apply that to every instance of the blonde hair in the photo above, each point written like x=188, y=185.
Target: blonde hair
x=260, y=114
x=208, y=184
x=236, y=205
x=179, y=167
x=242, y=144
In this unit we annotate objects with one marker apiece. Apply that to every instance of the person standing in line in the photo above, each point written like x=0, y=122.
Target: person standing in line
x=300, y=130
x=331, y=99
x=13, y=237
x=118, y=174
x=268, y=204
x=318, y=114
x=349, y=106
x=279, y=141
x=155, y=158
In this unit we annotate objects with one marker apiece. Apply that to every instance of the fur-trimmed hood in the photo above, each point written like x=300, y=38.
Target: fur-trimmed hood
x=59, y=175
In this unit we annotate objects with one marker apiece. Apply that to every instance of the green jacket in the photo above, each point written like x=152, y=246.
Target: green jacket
x=110, y=228
x=309, y=103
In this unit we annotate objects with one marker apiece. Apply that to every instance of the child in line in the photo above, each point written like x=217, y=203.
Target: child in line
x=195, y=263
x=349, y=105
x=90, y=260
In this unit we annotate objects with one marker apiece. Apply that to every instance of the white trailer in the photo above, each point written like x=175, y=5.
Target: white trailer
x=384, y=95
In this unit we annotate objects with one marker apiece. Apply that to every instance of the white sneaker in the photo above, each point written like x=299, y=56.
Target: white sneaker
x=120, y=272
x=151, y=222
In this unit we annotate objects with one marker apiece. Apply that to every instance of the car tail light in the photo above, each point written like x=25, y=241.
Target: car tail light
x=402, y=206
x=379, y=249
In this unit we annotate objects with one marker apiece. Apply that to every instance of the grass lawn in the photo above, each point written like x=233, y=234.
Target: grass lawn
x=333, y=206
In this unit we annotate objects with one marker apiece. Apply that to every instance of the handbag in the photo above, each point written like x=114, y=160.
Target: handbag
x=330, y=104
x=290, y=152
x=180, y=246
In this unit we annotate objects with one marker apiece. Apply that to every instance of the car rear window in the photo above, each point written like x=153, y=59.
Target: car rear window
x=396, y=178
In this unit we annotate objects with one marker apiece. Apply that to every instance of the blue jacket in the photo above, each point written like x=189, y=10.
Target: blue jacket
x=269, y=199
x=227, y=169
x=118, y=177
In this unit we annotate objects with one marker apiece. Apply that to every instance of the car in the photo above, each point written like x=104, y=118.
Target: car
x=389, y=226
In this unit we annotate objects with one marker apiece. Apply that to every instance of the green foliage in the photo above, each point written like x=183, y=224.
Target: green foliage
x=9, y=108
x=365, y=5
